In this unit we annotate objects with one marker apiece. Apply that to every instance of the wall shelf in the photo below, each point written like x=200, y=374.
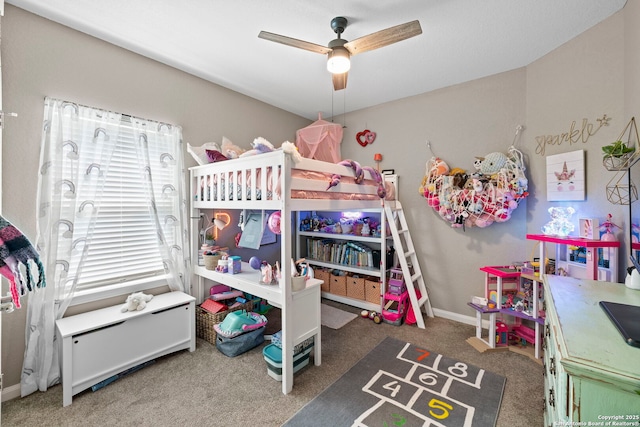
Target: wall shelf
x=589, y=270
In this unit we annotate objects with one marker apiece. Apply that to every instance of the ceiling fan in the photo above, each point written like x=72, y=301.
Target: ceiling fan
x=339, y=50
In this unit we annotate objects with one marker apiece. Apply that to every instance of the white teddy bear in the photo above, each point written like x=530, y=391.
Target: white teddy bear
x=136, y=301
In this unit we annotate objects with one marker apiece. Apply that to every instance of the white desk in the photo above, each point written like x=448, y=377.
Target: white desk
x=300, y=314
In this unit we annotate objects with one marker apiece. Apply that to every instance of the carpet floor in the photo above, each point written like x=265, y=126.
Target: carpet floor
x=209, y=389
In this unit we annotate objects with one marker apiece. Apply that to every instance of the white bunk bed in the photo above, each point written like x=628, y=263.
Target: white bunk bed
x=279, y=184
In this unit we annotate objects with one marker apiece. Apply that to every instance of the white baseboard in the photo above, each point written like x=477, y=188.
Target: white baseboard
x=11, y=392
x=469, y=320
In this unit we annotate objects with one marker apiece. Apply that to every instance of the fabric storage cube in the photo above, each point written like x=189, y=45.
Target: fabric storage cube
x=338, y=285
x=355, y=287
x=372, y=291
x=273, y=356
x=235, y=346
x=325, y=276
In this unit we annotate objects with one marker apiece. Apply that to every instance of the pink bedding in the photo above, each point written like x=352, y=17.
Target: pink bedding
x=235, y=191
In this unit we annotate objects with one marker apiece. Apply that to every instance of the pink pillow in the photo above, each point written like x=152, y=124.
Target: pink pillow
x=215, y=156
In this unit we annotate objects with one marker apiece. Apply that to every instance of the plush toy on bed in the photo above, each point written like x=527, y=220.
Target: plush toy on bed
x=136, y=301
x=260, y=146
x=291, y=149
x=229, y=149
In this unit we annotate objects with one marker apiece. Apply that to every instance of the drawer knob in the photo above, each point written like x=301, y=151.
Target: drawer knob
x=552, y=365
x=547, y=330
x=552, y=400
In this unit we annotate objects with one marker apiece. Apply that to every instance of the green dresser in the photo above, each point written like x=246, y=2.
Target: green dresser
x=591, y=373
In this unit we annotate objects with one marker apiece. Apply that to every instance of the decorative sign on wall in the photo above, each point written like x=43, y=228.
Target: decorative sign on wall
x=565, y=176
x=574, y=135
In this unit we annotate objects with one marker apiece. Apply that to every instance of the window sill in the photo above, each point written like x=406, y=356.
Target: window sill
x=104, y=292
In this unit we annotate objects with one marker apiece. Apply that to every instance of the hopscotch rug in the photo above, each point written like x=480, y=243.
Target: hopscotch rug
x=400, y=384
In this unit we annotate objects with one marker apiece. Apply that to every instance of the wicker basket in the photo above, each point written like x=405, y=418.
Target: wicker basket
x=205, y=320
x=338, y=285
x=325, y=276
x=372, y=291
x=355, y=288
x=211, y=261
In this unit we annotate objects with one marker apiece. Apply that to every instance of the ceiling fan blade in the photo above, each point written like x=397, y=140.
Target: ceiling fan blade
x=384, y=37
x=339, y=81
x=301, y=44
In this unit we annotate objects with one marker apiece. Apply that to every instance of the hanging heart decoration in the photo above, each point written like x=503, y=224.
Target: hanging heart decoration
x=365, y=137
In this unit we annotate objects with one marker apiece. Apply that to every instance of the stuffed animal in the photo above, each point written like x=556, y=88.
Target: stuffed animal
x=260, y=146
x=136, y=301
x=439, y=167
x=229, y=149
x=366, y=230
x=357, y=169
x=292, y=150
x=491, y=163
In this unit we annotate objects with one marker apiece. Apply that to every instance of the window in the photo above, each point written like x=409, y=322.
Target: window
x=124, y=245
x=111, y=197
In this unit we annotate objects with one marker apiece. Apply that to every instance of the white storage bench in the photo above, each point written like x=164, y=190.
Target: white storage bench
x=99, y=344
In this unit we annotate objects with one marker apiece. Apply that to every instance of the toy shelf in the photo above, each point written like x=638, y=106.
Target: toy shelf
x=591, y=269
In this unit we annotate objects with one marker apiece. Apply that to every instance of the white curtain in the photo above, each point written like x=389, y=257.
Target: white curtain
x=77, y=146
x=158, y=160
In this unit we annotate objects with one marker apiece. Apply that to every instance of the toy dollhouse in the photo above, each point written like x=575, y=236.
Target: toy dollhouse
x=396, y=283
x=514, y=307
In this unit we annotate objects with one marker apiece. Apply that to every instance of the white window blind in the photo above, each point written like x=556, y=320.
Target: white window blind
x=124, y=243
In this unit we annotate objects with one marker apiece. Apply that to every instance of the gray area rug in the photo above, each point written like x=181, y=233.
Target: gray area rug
x=335, y=318
x=400, y=384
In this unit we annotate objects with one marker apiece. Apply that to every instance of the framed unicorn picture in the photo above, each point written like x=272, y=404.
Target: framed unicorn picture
x=566, y=177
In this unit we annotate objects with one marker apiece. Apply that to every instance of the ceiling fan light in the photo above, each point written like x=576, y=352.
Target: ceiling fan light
x=338, y=61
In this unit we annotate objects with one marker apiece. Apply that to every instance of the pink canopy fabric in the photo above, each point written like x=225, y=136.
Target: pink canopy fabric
x=320, y=140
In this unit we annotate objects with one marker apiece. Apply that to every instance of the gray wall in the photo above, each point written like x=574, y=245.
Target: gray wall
x=463, y=121
x=594, y=74
x=41, y=58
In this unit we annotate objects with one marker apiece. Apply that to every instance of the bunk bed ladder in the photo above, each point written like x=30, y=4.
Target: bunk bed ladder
x=408, y=260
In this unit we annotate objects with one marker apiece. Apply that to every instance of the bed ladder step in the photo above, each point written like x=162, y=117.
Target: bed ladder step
x=408, y=261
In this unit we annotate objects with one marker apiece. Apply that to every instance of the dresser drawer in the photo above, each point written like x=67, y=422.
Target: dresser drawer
x=557, y=382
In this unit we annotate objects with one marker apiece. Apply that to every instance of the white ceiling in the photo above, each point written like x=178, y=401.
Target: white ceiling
x=217, y=40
